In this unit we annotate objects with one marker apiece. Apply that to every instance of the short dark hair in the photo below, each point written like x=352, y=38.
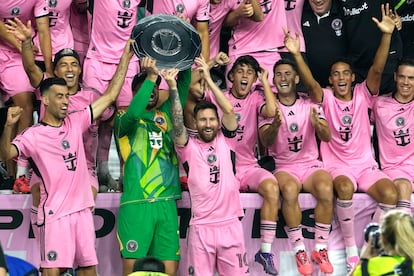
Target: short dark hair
x=47, y=83
x=287, y=62
x=140, y=78
x=342, y=60
x=405, y=61
x=202, y=105
x=150, y=264
x=245, y=60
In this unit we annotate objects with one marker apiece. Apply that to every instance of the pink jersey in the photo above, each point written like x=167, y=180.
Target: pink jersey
x=296, y=140
x=195, y=10
x=395, y=126
x=58, y=157
x=350, y=143
x=249, y=36
x=112, y=24
x=293, y=11
x=217, y=14
x=213, y=186
x=24, y=10
x=59, y=27
x=247, y=111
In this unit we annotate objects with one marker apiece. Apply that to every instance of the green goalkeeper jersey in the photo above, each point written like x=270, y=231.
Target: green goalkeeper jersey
x=144, y=140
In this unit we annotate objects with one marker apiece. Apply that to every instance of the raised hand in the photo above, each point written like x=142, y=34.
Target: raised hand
x=18, y=29
x=150, y=66
x=263, y=74
x=292, y=43
x=387, y=23
x=13, y=115
x=222, y=59
x=170, y=76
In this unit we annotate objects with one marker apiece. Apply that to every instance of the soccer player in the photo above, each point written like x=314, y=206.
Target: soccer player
x=248, y=104
x=348, y=155
x=13, y=80
x=56, y=149
x=393, y=120
x=209, y=160
x=290, y=138
x=147, y=218
x=112, y=24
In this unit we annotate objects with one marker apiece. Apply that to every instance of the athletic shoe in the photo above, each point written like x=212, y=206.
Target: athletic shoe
x=266, y=260
x=303, y=263
x=351, y=263
x=21, y=185
x=321, y=258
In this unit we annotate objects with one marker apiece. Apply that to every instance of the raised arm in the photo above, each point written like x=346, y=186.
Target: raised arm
x=268, y=133
x=320, y=125
x=269, y=108
x=314, y=88
x=7, y=150
x=248, y=9
x=180, y=135
x=24, y=33
x=202, y=29
x=386, y=26
x=112, y=92
x=229, y=117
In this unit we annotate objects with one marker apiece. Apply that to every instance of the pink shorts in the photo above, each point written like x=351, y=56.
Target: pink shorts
x=402, y=172
x=301, y=173
x=69, y=240
x=217, y=246
x=13, y=78
x=362, y=177
x=99, y=74
x=251, y=176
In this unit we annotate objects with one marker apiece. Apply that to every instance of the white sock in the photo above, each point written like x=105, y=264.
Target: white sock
x=265, y=247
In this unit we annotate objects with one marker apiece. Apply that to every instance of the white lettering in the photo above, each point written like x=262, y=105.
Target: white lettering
x=407, y=18
x=355, y=11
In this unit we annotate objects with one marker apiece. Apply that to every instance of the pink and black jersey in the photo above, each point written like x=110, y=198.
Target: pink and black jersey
x=24, y=10
x=217, y=14
x=296, y=140
x=213, y=186
x=247, y=111
x=112, y=24
x=57, y=155
x=395, y=126
x=350, y=128
x=60, y=31
x=249, y=36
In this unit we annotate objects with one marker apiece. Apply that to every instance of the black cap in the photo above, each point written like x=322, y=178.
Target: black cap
x=66, y=52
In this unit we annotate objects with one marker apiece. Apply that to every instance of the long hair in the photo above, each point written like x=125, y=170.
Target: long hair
x=397, y=230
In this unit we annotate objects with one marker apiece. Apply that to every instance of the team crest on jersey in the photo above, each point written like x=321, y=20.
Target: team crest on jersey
x=155, y=139
x=347, y=120
x=126, y=4
x=159, y=120
x=190, y=270
x=132, y=246
x=294, y=127
x=180, y=8
x=53, y=3
x=238, y=117
x=15, y=11
x=52, y=256
x=65, y=144
x=211, y=158
x=337, y=26
x=400, y=122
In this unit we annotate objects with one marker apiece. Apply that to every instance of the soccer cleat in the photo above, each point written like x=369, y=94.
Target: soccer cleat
x=266, y=260
x=21, y=185
x=303, y=263
x=351, y=263
x=321, y=258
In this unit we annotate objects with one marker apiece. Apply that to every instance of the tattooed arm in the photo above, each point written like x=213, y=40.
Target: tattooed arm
x=179, y=131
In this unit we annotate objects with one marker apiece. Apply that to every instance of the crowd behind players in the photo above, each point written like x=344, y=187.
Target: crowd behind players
x=291, y=48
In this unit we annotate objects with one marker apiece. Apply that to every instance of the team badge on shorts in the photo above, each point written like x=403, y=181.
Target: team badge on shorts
x=132, y=246
x=190, y=270
x=52, y=256
x=15, y=11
